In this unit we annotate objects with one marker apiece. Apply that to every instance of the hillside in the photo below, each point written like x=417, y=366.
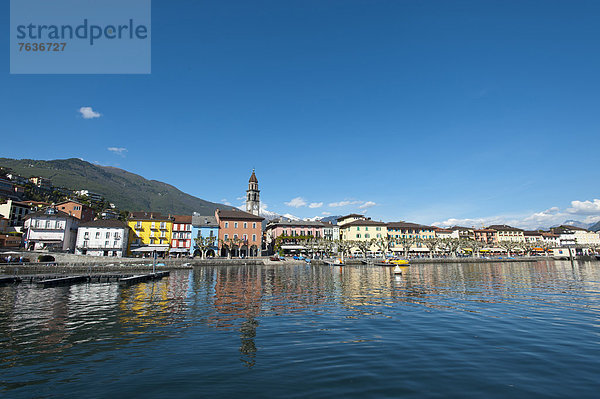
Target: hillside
x=126, y=190
x=595, y=227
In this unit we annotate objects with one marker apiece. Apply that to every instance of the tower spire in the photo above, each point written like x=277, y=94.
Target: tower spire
x=253, y=195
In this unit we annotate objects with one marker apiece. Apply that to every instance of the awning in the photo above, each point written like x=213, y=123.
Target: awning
x=150, y=249
x=179, y=250
x=292, y=247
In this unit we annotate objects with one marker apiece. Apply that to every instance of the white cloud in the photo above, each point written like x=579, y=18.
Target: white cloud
x=242, y=198
x=225, y=202
x=367, y=204
x=343, y=203
x=118, y=150
x=315, y=205
x=296, y=202
x=88, y=113
x=585, y=207
x=582, y=211
x=325, y=213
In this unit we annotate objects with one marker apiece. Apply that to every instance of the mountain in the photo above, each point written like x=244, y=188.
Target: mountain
x=595, y=227
x=126, y=190
x=576, y=223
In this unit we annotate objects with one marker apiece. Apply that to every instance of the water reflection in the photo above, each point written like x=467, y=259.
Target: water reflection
x=38, y=326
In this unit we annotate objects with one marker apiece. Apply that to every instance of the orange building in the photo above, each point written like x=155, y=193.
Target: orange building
x=240, y=233
x=76, y=209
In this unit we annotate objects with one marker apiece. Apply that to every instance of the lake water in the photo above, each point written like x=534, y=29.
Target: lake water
x=452, y=330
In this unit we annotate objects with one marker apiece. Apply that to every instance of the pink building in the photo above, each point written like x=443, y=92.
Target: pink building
x=292, y=229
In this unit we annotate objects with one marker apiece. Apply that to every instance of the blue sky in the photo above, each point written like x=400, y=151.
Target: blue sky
x=424, y=111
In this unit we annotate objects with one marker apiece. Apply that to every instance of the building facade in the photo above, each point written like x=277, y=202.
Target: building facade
x=150, y=232
x=508, y=233
x=77, y=210
x=15, y=212
x=102, y=238
x=208, y=227
x=50, y=229
x=240, y=233
x=181, y=237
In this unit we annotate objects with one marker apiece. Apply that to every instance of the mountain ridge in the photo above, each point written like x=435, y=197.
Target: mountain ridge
x=127, y=190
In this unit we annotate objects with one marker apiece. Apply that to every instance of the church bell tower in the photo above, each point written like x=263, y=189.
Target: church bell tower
x=253, y=196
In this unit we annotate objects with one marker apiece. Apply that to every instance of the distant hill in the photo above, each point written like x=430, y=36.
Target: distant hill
x=126, y=190
x=595, y=227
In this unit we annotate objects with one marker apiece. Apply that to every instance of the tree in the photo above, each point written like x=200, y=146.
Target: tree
x=204, y=244
x=364, y=246
x=431, y=244
x=476, y=246
x=343, y=247
x=451, y=245
x=383, y=244
x=509, y=246
x=406, y=243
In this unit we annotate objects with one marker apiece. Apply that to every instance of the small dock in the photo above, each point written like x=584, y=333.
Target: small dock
x=55, y=282
x=58, y=280
x=10, y=280
x=142, y=278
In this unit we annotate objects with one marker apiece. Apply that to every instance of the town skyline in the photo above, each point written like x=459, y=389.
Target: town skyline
x=345, y=109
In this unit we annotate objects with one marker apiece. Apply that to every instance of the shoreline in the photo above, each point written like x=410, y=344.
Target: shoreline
x=103, y=264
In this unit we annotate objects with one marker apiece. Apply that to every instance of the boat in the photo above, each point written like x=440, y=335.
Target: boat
x=397, y=270
x=392, y=262
x=336, y=262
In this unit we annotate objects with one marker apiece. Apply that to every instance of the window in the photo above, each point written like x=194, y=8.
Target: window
x=235, y=225
x=47, y=224
x=226, y=225
x=245, y=237
x=116, y=244
x=378, y=228
x=378, y=235
x=77, y=208
x=226, y=237
x=357, y=228
x=86, y=234
x=367, y=236
x=85, y=244
x=358, y=236
x=97, y=234
x=152, y=241
x=105, y=244
x=253, y=225
x=366, y=229
x=235, y=236
x=253, y=237
x=108, y=234
x=245, y=225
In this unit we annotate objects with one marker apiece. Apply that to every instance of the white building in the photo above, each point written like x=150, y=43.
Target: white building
x=331, y=231
x=50, y=228
x=92, y=196
x=571, y=235
x=14, y=211
x=102, y=238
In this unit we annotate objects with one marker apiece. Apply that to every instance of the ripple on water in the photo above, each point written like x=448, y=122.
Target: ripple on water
x=464, y=330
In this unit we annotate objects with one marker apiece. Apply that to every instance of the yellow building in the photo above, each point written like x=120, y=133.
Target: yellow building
x=363, y=230
x=149, y=232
